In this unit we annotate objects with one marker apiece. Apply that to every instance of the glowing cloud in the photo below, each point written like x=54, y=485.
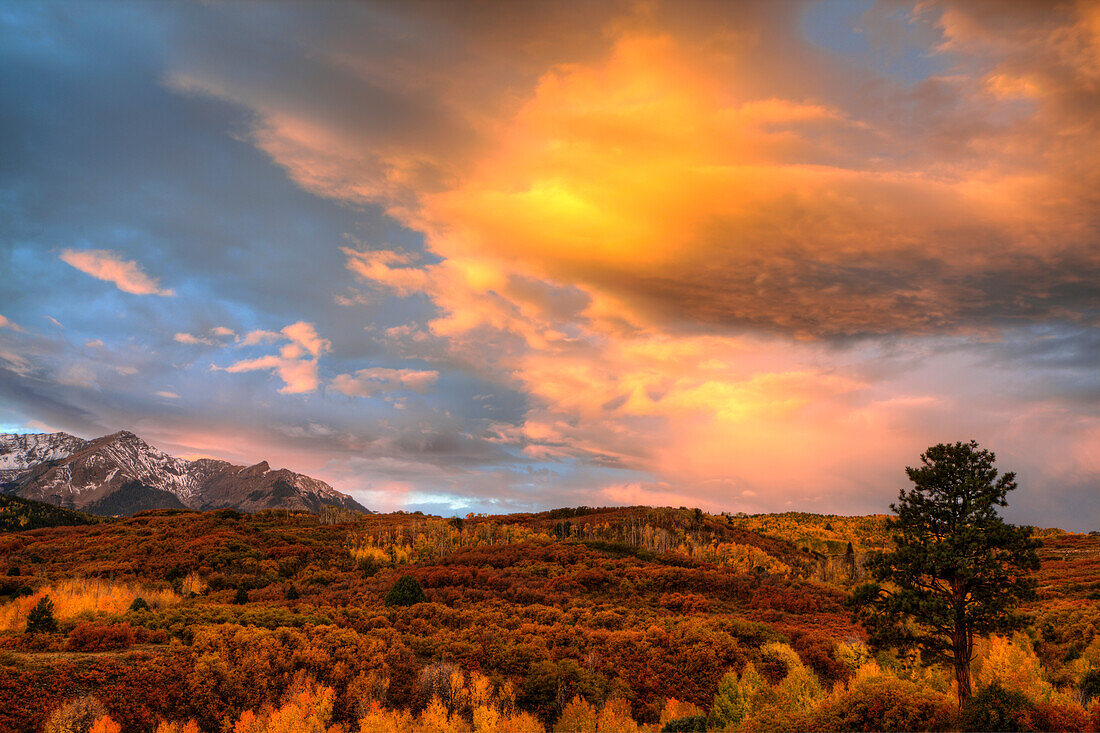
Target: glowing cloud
x=126, y=275
x=296, y=362
x=369, y=382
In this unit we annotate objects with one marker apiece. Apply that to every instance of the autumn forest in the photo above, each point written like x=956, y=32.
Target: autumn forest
x=582, y=619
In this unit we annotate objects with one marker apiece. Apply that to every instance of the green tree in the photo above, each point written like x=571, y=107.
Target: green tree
x=957, y=570
x=405, y=592
x=40, y=620
x=737, y=698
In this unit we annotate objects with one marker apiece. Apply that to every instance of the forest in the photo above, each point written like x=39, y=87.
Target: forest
x=578, y=619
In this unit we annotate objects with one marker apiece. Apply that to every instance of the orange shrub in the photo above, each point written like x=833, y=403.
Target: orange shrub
x=616, y=718
x=1046, y=716
x=578, y=716
x=75, y=596
x=882, y=704
x=87, y=637
x=675, y=709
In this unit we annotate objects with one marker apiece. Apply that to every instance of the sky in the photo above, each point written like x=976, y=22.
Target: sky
x=497, y=257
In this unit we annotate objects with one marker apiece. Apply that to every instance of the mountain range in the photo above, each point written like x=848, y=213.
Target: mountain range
x=121, y=474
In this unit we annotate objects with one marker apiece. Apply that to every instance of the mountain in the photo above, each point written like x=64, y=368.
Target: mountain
x=18, y=453
x=122, y=474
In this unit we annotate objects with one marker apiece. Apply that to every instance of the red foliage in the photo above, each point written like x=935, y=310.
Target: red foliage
x=1049, y=716
x=87, y=637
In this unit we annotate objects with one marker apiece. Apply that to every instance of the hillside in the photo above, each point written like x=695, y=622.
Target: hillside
x=22, y=514
x=639, y=604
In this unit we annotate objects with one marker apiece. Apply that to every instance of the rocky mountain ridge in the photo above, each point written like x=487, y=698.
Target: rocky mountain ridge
x=122, y=474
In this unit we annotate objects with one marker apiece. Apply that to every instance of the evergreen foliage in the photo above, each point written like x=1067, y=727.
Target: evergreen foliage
x=696, y=723
x=993, y=709
x=41, y=620
x=17, y=513
x=406, y=592
x=957, y=570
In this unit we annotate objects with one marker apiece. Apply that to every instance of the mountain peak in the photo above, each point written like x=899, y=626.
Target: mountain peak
x=258, y=469
x=21, y=451
x=121, y=474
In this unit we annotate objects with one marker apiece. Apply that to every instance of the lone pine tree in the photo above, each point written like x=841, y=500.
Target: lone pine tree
x=405, y=592
x=41, y=620
x=957, y=570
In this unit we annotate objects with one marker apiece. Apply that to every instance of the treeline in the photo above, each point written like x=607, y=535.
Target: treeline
x=17, y=514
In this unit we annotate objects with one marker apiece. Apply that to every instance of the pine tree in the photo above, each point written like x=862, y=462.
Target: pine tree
x=957, y=570
x=405, y=592
x=40, y=620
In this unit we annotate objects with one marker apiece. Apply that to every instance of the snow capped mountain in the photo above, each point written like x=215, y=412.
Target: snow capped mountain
x=122, y=474
x=18, y=453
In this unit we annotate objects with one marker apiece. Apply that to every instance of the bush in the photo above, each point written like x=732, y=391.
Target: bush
x=292, y=593
x=369, y=566
x=686, y=725
x=406, y=592
x=884, y=704
x=88, y=637
x=1090, y=686
x=1043, y=716
x=240, y=597
x=578, y=716
x=139, y=604
x=40, y=620
x=994, y=709
x=76, y=715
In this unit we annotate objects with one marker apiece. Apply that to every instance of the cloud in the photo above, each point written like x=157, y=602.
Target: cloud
x=126, y=275
x=216, y=336
x=167, y=395
x=703, y=254
x=5, y=323
x=297, y=360
x=224, y=332
x=259, y=336
x=369, y=382
x=191, y=339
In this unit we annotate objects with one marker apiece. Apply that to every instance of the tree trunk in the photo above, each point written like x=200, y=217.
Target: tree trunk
x=962, y=677
x=962, y=643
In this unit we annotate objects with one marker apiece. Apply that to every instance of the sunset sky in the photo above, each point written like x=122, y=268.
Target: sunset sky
x=496, y=257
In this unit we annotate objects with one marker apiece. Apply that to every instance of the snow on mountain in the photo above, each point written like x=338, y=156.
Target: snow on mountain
x=18, y=453
x=122, y=474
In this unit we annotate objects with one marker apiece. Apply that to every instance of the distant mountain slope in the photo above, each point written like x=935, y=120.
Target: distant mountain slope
x=17, y=513
x=122, y=474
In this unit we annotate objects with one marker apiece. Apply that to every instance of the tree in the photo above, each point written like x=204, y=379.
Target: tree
x=40, y=620
x=405, y=592
x=850, y=562
x=240, y=597
x=957, y=570
x=736, y=698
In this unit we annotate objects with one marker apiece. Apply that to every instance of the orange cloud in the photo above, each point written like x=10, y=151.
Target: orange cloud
x=295, y=364
x=368, y=382
x=126, y=275
x=658, y=236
